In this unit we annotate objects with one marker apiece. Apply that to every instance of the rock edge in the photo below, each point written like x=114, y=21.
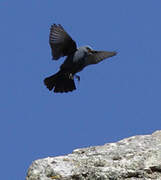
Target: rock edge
x=134, y=158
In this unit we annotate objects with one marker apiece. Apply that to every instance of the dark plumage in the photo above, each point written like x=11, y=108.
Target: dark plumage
x=63, y=45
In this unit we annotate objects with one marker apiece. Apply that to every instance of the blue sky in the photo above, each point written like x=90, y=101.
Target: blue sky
x=117, y=98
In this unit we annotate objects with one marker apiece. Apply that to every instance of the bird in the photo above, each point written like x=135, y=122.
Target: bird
x=62, y=44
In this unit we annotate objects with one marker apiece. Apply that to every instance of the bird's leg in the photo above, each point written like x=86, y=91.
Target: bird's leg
x=77, y=77
x=71, y=76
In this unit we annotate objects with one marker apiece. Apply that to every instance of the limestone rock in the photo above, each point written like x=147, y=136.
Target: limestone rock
x=134, y=158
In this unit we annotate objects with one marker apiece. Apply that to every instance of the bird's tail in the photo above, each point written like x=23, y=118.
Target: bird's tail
x=60, y=82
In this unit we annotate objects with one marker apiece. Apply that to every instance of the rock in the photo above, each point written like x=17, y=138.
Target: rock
x=134, y=158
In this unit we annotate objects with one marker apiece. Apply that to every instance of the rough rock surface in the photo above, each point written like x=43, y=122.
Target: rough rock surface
x=134, y=158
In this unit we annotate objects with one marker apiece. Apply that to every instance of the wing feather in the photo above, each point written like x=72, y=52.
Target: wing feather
x=60, y=42
x=97, y=56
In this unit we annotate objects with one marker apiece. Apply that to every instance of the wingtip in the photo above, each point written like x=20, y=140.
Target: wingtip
x=54, y=25
x=116, y=52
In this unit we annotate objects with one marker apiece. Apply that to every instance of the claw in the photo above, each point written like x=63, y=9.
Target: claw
x=77, y=77
x=69, y=75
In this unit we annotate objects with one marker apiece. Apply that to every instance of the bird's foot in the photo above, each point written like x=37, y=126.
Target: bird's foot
x=77, y=77
x=71, y=76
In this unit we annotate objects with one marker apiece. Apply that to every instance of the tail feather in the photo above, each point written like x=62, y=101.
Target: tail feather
x=60, y=82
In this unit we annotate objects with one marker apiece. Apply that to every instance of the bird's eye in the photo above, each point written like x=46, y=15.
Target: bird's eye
x=88, y=49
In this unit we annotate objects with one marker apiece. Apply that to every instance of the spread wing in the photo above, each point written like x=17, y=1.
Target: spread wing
x=60, y=42
x=97, y=56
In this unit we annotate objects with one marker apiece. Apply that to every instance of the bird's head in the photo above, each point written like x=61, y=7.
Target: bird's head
x=88, y=49
x=82, y=52
x=85, y=50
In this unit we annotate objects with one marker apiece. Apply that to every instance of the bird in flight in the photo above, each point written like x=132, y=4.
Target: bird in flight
x=77, y=59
